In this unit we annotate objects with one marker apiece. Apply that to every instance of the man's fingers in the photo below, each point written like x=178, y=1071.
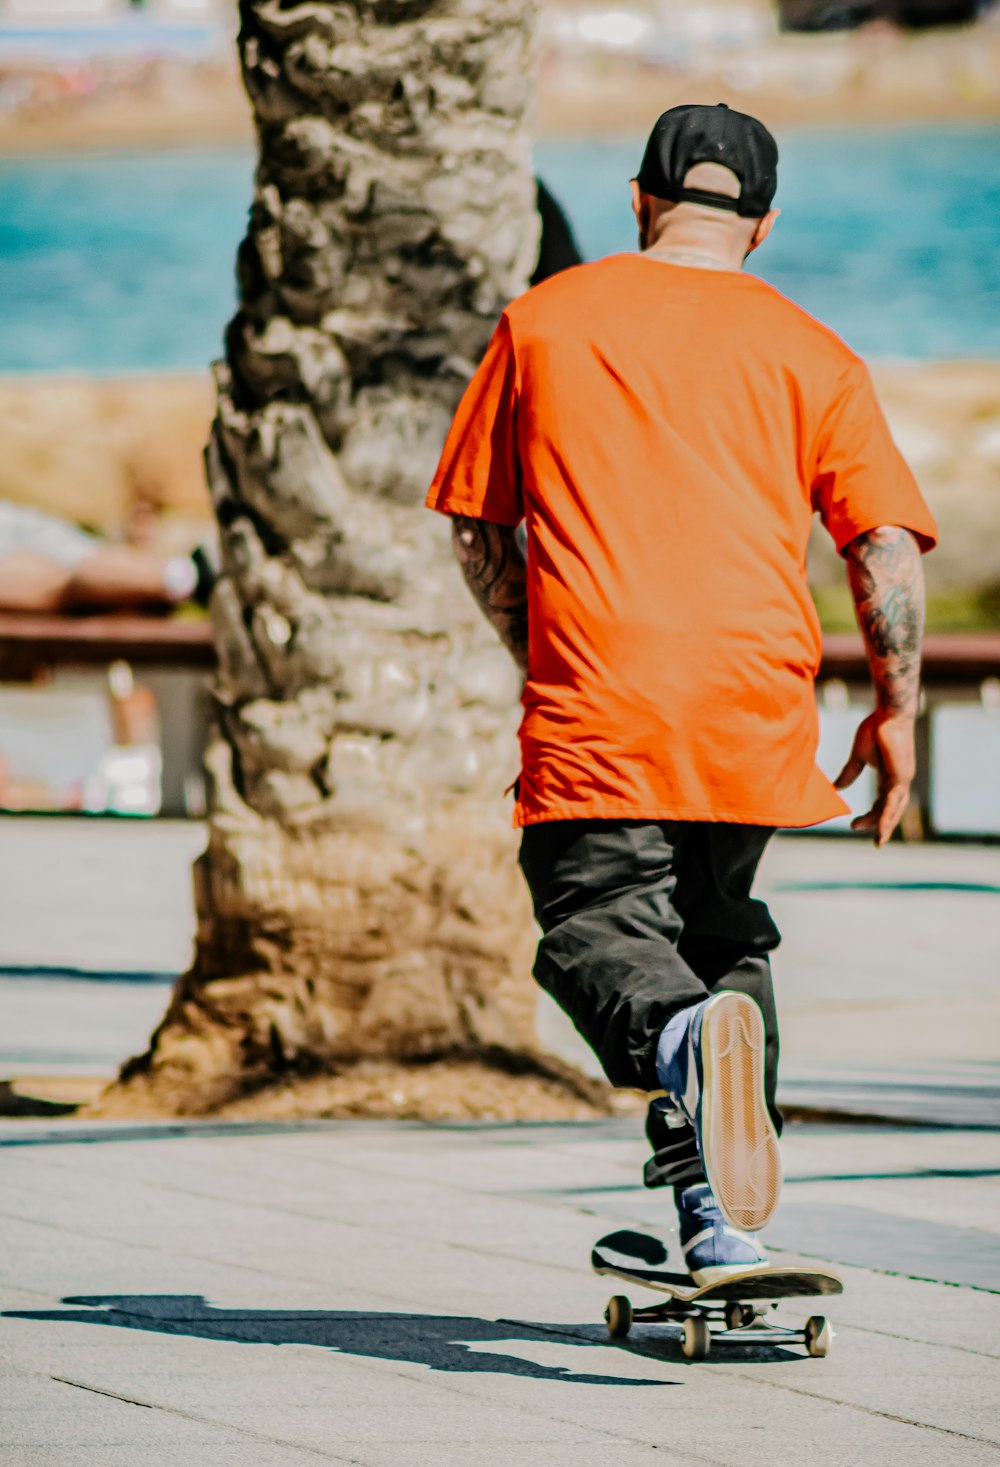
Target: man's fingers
x=892, y=812
x=852, y=769
x=885, y=814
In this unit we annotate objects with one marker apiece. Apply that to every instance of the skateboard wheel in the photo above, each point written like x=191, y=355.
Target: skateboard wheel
x=737, y=1315
x=618, y=1316
x=697, y=1339
x=818, y=1335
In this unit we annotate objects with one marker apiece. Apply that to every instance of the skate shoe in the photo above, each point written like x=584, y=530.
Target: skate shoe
x=710, y=1060
x=712, y=1249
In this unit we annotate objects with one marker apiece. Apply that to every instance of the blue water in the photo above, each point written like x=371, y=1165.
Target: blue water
x=128, y=35
x=125, y=262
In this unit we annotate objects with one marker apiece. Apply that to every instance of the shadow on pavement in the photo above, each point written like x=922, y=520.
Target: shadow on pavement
x=439, y=1341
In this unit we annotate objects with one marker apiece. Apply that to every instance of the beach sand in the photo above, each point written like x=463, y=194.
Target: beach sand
x=88, y=449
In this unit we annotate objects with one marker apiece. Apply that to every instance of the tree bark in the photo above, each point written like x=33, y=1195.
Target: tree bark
x=359, y=895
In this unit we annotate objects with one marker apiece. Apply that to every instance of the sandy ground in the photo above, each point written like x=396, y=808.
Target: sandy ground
x=66, y=443
x=91, y=449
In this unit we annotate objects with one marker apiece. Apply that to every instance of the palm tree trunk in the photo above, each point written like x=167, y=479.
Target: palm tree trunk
x=359, y=894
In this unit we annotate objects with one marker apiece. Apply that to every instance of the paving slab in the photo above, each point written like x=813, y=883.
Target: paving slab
x=380, y=1293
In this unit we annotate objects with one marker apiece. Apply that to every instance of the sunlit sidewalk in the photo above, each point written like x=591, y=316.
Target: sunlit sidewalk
x=399, y=1295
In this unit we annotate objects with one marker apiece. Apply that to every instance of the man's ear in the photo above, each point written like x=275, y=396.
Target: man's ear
x=641, y=211
x=764, y=228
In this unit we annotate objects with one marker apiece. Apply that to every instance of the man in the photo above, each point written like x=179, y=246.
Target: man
x=667, y=425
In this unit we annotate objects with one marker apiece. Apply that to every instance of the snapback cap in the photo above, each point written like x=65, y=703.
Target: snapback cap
x=688, y=135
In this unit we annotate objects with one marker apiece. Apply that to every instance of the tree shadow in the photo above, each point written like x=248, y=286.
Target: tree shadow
x=440, y=1341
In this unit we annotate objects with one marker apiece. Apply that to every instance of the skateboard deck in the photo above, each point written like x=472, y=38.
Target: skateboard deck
x=739, y=1301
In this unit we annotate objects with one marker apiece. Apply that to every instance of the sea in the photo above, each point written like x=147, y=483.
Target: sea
x=124, y=262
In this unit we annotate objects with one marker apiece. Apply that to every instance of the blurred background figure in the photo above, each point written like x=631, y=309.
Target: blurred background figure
x=48, y=564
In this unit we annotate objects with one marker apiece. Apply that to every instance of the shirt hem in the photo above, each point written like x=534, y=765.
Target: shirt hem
x=447, y=504
x=779, y=821
x=925, y=533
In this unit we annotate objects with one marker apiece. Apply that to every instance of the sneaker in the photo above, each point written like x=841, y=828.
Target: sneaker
x=712, y=1249
x=710, y=1060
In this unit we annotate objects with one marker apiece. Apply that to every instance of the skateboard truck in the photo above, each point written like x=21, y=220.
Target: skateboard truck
x=727, y=1310
x=696, y=1320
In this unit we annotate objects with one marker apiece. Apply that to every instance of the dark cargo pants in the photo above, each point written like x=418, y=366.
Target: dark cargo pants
x=641, y=919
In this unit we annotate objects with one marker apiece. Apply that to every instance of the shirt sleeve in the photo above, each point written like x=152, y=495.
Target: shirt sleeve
x=861, y=479
x=479, y=474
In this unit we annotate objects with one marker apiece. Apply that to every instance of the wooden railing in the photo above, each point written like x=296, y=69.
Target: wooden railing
x=31, y=642
x=957, y=666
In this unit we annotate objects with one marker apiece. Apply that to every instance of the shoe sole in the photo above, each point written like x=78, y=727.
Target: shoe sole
x=739, y=1143
x=717, y=1273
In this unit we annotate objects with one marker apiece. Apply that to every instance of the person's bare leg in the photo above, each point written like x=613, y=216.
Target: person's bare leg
x=122, y=576
x=32, y=583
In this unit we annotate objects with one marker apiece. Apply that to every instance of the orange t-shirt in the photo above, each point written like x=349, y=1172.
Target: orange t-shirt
x=667, y=433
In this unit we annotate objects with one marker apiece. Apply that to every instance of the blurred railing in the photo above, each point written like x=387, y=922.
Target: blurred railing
x=957, y=790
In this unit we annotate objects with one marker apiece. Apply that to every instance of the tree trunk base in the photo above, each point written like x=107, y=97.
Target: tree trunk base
x=363, y=971
x=491, y=1086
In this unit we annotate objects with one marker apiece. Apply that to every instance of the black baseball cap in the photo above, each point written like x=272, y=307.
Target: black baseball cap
x=685, y=136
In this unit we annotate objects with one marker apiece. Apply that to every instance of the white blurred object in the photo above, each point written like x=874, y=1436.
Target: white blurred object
x=988, y=444
x=60, y=9
x=126, y=781
x=619, y=29
x=923, y=447
x=50, y=739
x=965, y=767
x=838, y=723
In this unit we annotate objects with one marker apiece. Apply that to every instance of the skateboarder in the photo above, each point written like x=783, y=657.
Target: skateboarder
x=666, y=425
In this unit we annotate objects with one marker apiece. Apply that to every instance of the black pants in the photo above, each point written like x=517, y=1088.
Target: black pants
x=641, y=919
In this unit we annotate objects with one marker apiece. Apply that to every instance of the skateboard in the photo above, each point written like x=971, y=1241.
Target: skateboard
x=739, y=1303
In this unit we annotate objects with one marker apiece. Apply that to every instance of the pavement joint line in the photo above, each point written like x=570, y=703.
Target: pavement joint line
x=526, y=1198
x=776, y=1385
x=570, y=1332
x=200, y=1420
x=626, y=1221
x=222, y=1262
x=445, y=1384
x=922, y=1175
x=543, y=1200
x=557, y=1331
x=891, y=1273
x=478, y=1252
x=887, y=1334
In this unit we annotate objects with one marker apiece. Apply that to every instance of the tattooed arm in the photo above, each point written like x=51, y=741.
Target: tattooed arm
x=887, y=583
x=495, y=570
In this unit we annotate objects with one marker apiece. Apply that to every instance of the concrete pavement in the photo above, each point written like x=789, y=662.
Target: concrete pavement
x=395, y=1295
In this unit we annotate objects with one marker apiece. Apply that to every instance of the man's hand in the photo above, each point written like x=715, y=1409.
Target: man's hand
x=883, y=567
x=884, y=742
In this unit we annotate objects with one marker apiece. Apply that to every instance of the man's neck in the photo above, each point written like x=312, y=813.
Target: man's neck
x=678, y=252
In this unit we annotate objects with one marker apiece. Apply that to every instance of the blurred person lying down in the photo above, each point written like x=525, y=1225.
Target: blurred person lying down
x=48, y=564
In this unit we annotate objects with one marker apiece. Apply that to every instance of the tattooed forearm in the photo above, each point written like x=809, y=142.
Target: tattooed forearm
x=887, y=582
x=494, y=567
